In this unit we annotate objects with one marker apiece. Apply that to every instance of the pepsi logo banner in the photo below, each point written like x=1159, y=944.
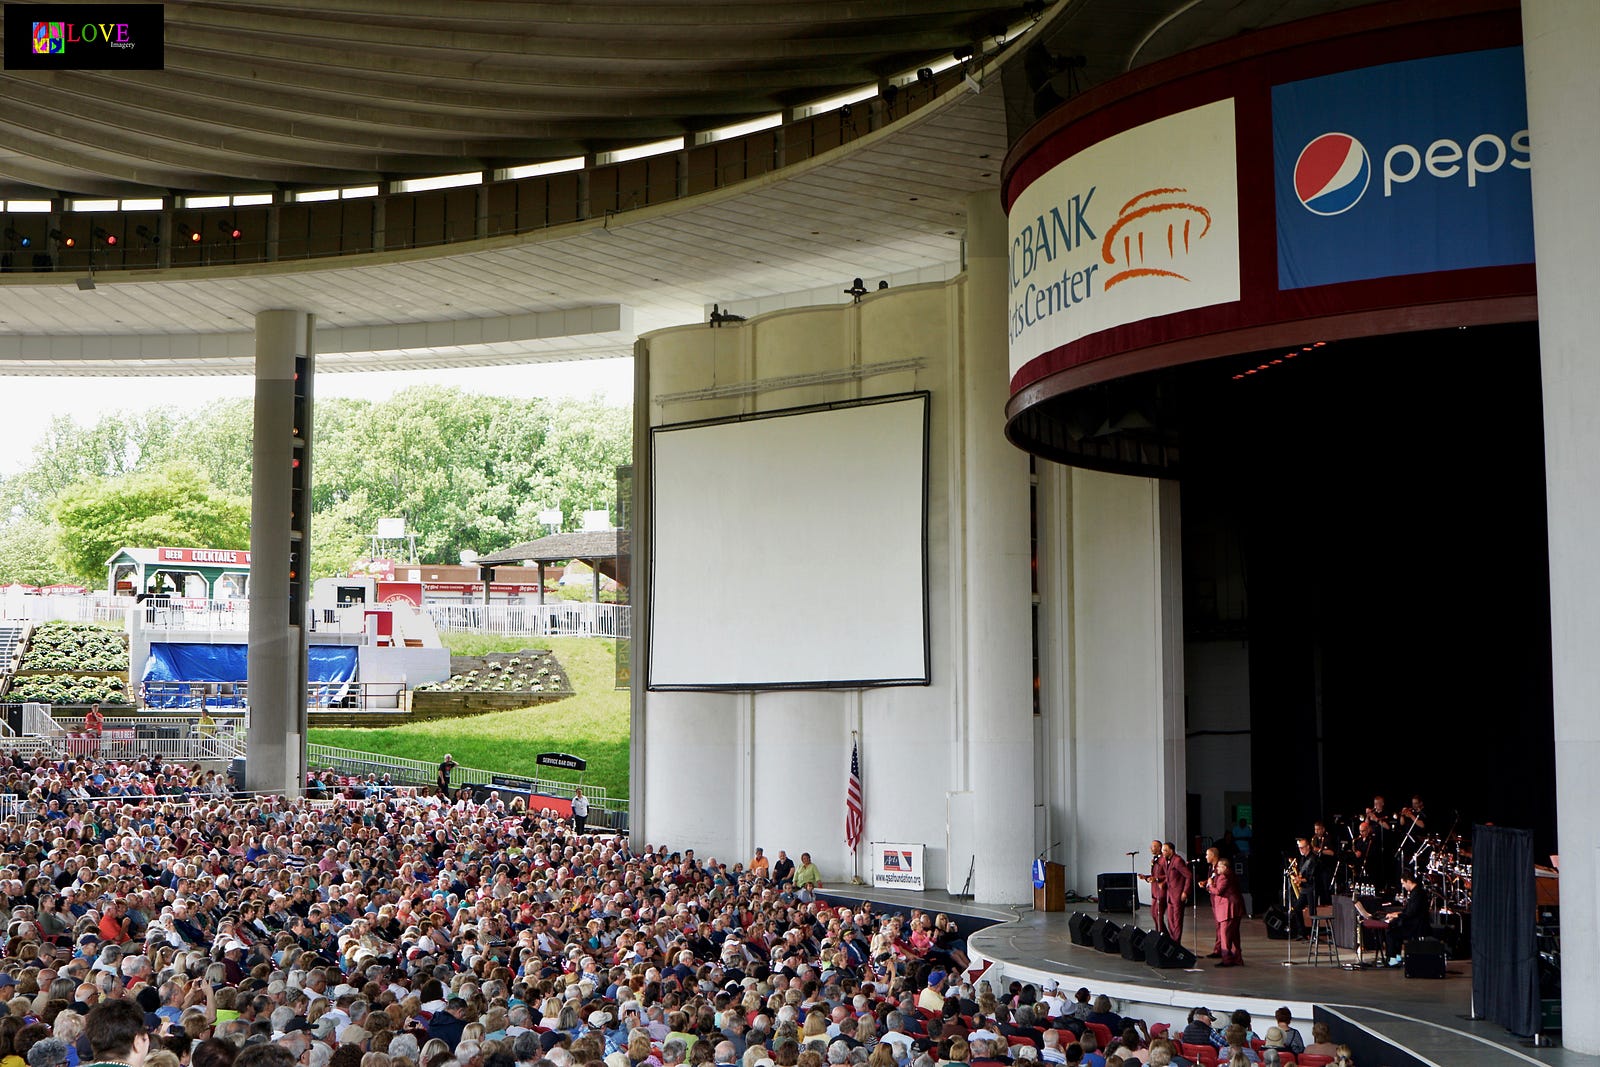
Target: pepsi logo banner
x=897, y=865
x=1142, y=224
x=1404, y=168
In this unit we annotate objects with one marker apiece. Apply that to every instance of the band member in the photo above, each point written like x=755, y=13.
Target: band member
x=1413, y=920
x=1227, y=908
x=1158, y=887
x=1180, y=882
x=1413, y=819
x=1327, y=853
x=1304, y=877
x=1364, y=851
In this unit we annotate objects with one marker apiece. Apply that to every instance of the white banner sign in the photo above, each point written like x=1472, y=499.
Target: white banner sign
x=896, y=866
x=1142, y=224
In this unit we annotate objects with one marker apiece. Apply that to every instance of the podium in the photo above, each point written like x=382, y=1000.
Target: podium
x=1052, y=894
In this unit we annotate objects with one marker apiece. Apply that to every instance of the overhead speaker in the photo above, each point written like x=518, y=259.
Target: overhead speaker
x=1078, y=928
x=1163, y=952
x=1133, y=940
x=1107, y=936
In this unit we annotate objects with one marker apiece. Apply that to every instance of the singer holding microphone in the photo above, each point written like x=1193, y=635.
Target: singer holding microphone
x=1227, y=907
x=1158, y=887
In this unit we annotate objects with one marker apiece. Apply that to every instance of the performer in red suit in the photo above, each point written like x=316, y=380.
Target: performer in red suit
x=1227, y=906
x=1180, y=882
x=1158, y=887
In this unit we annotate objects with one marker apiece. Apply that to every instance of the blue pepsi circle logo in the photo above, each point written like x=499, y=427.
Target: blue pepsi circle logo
x=1332, y=174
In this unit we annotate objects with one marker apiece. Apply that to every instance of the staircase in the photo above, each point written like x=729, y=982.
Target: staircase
x=13, y=636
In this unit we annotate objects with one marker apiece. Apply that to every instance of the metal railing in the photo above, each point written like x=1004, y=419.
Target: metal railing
x=354, y=763
x=377, y=697
x=555, y=618
x=96, y=607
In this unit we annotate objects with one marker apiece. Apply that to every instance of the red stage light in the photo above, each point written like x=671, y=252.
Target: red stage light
x=71, y=242
x=194, y=236
x=1277, y=361
x=111, y=238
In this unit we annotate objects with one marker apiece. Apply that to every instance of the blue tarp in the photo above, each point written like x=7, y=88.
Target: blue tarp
x=332, y=668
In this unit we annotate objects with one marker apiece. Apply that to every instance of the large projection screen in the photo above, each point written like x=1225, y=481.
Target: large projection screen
x=789, y=549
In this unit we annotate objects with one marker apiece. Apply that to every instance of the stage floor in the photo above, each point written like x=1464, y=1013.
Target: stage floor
x=1430, y=1018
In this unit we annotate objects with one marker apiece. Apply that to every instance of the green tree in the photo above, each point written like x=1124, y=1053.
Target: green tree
x=173, y=505
x=27, y=553
x=117, y=443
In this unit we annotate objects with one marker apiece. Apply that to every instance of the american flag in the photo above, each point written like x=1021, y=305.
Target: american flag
x=852, y=800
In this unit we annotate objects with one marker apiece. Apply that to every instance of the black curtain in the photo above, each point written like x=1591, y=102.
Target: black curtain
x=1505, y=956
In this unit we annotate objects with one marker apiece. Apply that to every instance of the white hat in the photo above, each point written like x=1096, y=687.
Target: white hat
x=599, y=1018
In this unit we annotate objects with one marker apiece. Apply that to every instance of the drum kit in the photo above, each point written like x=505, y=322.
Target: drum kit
x=1444, y=867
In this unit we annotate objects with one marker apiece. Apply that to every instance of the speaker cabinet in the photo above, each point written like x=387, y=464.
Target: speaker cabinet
x=1425, y=958
x=1078, y=928
x=1162, y=952
x=1107, y=936
x=1133, y=940
x=1116, y=892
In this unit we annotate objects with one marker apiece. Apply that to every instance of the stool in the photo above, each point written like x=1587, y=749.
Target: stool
x=1322, y=946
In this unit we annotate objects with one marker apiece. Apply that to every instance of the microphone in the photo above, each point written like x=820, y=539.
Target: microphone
x=1135, y=852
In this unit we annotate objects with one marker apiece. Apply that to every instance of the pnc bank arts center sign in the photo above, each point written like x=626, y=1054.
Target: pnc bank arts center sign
x=1142, y=224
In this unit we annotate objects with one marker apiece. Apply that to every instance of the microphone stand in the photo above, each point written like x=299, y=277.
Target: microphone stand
x=1133, y=869
x=1288, y=906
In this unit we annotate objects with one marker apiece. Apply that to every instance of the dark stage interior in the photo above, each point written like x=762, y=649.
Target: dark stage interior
x=1369, y=517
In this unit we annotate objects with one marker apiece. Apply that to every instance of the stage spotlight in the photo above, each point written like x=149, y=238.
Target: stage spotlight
x=857, y=290
x=963, y=54
x=1033, y=9
x=186, y=233
x=149, y=235
x=846, y=111
x=924, y=75
x=891, y=93
x=883, y=285
x=21, y=240
x=99, y=234
x=63, y=240
x=229, y=229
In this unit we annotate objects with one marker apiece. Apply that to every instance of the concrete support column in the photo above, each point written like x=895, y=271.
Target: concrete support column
x=275, y=751
x=1561, y=39
x=997, y=669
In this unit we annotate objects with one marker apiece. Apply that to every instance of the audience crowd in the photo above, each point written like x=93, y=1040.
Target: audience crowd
x=151, y=920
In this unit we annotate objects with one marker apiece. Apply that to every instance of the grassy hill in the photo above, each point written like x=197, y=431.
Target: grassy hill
x=592, y=724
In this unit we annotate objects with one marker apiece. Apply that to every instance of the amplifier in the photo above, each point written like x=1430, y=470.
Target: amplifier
x=1425, y=958
x=1116, y=891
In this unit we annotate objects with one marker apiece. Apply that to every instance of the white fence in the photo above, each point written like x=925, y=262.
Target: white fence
x=97, y=607
x=556, y=618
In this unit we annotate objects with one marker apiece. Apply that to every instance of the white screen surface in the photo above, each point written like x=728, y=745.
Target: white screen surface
x=789, y=550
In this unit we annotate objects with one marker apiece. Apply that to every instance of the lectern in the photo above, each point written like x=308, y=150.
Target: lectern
x=1052, y=895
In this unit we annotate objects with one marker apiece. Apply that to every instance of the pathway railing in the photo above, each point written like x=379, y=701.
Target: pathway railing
x=555, y=618
x=604, y=809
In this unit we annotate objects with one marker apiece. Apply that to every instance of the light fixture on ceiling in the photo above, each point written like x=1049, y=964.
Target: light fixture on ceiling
x=856, y=290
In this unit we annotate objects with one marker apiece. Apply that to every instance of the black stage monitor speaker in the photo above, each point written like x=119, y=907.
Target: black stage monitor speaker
x=1163, y=952
x=1277, y=923
x=1133, y=940
x=1078, y=928
x=1107, y=936
x=1425, y=958
x=1116, y=891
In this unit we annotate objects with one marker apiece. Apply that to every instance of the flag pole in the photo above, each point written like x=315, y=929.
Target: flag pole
x=855, y=850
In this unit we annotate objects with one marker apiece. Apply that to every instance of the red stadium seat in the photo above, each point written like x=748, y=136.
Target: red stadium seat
x=1285, y=1057
x=1102, y=1034
x=1015, y=1039
x=1306, y=1059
